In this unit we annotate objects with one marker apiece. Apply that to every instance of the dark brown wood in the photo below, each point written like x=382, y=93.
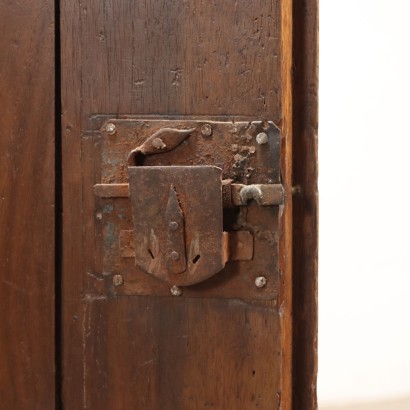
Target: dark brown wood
x=241, y=59
x=162, y=57
x=225, y=59
x=305, y=203
x=27, y=205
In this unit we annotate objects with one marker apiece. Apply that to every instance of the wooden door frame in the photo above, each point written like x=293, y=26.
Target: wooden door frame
x=300, y=220
x=305, y=76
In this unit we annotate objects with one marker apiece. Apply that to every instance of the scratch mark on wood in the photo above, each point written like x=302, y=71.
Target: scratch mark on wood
x=16, y=287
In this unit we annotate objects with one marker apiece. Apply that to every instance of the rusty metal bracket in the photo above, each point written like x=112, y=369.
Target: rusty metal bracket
x=188, y=207
x=240, y=244
x=164, y=140
x=232, y=194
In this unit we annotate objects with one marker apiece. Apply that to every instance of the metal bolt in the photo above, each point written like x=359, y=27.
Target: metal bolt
x=260, y=281
x=176, y=291
x=206, y=130
x=173, y=226
x=111, y=128
x=251, y=192
x=262, y=138
x=174, y=255
x=117, y=280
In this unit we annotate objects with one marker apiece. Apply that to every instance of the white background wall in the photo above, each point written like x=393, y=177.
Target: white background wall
x=364, y=183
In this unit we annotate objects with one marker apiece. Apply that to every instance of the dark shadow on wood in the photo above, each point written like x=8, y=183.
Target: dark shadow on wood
x=58, y=211
x=305, y=203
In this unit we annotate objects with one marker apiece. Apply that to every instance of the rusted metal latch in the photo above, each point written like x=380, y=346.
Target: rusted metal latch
x=178, y=212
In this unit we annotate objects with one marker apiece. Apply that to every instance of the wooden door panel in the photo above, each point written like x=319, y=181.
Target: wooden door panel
x=226, y=59
x=193, y=354
x=27, y=205
x=231, y=60
x=176, y=57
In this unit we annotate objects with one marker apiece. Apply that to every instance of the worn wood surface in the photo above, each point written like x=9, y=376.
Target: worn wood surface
x=27, y=205
x=285, y=222
x=305, y=203
x=234, y=58
x=231, y=58
x=160, y=57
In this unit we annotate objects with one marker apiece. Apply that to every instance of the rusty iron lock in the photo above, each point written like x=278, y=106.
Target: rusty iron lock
x=178, y=212
x=189, y=187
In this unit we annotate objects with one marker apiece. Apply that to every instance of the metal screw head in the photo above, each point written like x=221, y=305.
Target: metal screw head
x=117, y=280
x=262, y=138
x=173, y=225
x=174, y=255
x=176, y=291
x=260, y=281
x=111, y=128
x=206, y=130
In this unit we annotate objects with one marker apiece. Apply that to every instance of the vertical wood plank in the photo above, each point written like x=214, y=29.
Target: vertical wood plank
x=182, y=58
x=305, y=203
x=73, y=304
x=27, y=205
x=285, y=221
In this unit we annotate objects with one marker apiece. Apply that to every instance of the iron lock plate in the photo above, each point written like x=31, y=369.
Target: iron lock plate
x=204, y=183
x=178, y=222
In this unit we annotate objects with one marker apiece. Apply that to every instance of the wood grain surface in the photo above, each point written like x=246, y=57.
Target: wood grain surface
x=305, y=203
x=231, y=58
x=160, y=57
x=27, y=205
x=255, y=60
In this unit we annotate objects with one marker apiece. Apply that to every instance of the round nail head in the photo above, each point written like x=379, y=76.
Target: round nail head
x=206, y=130
x=262, y=138
x=174, y=255
x=176, y=291
x=117, y=280
x=260, y=281
x=111, y=128
x=173, y=226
